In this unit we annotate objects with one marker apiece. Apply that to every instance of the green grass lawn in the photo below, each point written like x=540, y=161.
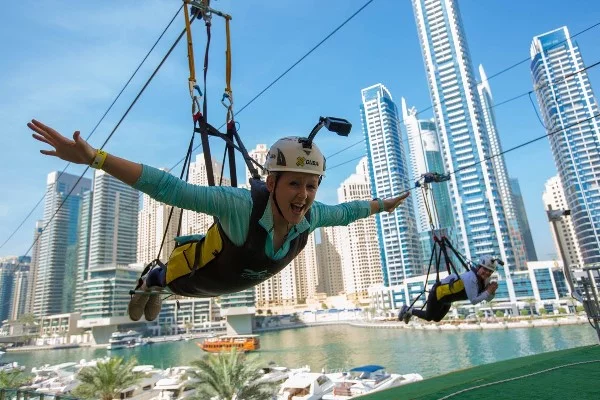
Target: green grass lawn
x=580, y=381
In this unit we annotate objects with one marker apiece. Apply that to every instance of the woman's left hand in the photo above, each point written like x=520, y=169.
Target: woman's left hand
x=391, y=204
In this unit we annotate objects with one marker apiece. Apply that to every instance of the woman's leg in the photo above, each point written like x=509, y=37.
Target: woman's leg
x=442, y=311
x=157, y=277
x=433, y=307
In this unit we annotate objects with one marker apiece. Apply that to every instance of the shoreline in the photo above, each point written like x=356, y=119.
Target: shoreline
x=454, y=326
x=414, y=325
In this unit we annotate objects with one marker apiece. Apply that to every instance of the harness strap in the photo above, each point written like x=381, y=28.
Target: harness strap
x=190, y=51
x=228, y=92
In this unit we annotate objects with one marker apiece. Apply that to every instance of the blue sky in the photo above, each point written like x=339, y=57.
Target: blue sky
x=63, y=62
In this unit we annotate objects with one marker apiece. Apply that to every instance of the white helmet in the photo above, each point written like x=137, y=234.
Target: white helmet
x=288, y=154
x=488, y=262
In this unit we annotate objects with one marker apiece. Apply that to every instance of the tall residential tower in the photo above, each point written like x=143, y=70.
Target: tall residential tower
x=570, y=114
x=56, y=268
x=474, y=187
x=388, y=175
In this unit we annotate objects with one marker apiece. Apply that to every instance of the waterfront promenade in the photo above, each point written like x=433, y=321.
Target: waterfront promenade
x=563, y=374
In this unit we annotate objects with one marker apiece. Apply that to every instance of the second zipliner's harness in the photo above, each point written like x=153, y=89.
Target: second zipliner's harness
x=447, y=292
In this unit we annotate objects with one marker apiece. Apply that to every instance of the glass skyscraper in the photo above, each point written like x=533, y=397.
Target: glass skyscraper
x=474, y=191
x=389, y=177
x=109, y=221
x=480, y=218
x=426, y=156
x=570, y=114
x=515, y=189
x=501, y=172
x=53, y=292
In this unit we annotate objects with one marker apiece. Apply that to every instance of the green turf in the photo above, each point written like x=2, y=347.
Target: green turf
x=572, y=382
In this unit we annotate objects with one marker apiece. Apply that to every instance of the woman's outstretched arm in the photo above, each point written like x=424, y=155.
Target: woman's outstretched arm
x=78, y=151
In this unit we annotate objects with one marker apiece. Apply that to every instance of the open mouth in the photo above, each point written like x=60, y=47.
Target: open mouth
x=297, y=208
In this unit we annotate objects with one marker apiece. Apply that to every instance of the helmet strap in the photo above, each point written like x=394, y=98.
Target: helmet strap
x=275, y=196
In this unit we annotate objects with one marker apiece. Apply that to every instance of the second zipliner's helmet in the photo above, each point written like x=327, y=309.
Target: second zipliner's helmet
x=290, y=154
x=488, y=262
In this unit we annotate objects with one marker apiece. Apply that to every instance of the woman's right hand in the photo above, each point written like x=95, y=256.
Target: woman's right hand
x=77, y=151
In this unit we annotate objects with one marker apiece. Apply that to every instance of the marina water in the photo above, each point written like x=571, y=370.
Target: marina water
x=429, y=353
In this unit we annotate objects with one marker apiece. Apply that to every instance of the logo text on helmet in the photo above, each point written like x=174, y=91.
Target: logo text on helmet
x=301, y=161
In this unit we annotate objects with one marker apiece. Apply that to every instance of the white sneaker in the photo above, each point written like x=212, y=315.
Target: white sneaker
x=137, y=304
x=154, y=304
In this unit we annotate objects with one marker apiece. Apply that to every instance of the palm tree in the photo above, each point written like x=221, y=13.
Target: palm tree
x=230, y=376
x=12, y=379
x=106, y=379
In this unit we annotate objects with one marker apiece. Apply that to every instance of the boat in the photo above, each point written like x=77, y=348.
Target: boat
x=219, y=344
x=121, y=340
x=366, y=379
x=11, y=366
x=277, y=374
x=175, y=385
x=305, y=386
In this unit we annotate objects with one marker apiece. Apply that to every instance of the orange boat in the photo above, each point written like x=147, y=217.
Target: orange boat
x=226, y=343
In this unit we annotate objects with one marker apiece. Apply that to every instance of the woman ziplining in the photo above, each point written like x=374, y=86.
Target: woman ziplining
x=473, y=285
x=257, y=231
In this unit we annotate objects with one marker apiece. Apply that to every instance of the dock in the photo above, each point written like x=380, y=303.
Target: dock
x=563, y=374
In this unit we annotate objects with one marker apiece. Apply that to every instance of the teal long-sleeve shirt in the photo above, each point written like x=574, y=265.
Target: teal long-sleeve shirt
x=232, y=206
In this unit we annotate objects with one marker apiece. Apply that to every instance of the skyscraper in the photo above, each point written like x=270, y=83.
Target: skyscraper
x=426, y=156
x=299, y=280
x=357, y=243
x=259, y=154
x=523, y=220
x=7, y=283
x=388, y=175
x=19, y=296
x=152, y=228
x=83, y=249
x=112, y=248
x=57, y=262
x=35, y=259
x=554, y=196
x=329, y=260
x=474, y=191
x=113, y=230
x=501, y=172
x=570, y=114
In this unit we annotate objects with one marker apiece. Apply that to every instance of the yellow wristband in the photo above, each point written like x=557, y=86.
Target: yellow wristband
x=98, y=162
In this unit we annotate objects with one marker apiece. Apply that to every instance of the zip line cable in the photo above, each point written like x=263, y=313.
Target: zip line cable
x=109, y=137
x=246, y=105
x=488, y=79
x=144, y=87
x=290, y=68
x=529, y=93
x=305, y=55
x=550, y=48
x=99, y=121
x=269, y=86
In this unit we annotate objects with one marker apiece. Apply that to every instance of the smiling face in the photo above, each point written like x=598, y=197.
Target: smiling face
x=484, y=273
x=294, y=193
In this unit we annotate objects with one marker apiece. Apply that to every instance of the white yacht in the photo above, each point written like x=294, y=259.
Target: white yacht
x=176, y=384
x=305, y=386
x=121, y=340
x=277, y=374
x=365, y=379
